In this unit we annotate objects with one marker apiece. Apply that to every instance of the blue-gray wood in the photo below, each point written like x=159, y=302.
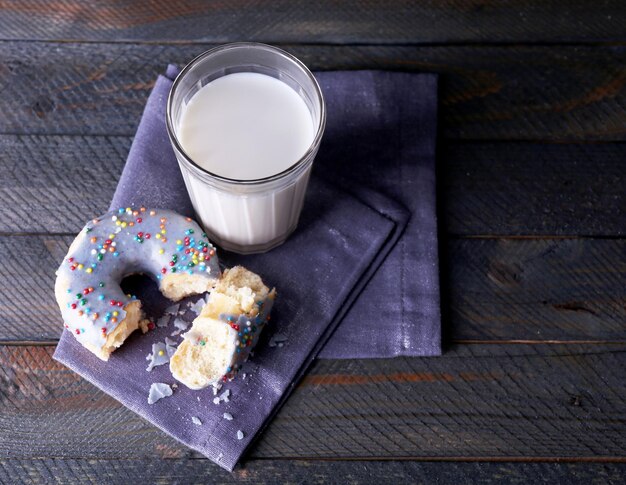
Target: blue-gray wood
x=327, y=21
x=261, y=472
x=508, y=92
x=532, y=401
x=532, y=251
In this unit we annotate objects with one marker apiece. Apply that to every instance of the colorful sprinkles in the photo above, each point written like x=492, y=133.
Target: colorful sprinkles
x=126, y=238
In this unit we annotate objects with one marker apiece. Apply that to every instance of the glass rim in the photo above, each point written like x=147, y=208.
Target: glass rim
x=236, y=45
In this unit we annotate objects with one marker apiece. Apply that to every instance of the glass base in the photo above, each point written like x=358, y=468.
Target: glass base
x=249, y=248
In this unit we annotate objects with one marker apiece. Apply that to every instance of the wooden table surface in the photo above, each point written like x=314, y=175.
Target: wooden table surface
x=532, y=179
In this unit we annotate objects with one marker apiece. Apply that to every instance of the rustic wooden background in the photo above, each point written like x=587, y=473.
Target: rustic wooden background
x=532, y=165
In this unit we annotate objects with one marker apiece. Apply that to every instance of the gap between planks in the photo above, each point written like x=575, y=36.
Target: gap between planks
x=439, y=459
x=51, y=343
x=177, y=43
x=444, y=236
x=465, y=141
x=499, y=459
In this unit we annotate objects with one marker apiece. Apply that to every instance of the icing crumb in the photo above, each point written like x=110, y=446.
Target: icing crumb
x=158, y=390
x=195, y=420
x=240, y=435
x=170, y=347
x=228, y=416
x=197, y=306
x=159, y=356
x=172, y=310
x=220, y=456
x=181, y=324
x=164, y=321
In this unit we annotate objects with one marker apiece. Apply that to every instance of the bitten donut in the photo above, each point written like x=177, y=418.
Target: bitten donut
x=226, y=330
x=162, y=244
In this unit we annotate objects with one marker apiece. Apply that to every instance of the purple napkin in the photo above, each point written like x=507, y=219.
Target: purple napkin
x=380, y=135
x=379, y=139
x=334, y=255
x=314, y=292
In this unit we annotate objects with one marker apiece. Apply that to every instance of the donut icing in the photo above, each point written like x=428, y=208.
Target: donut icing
x=170, y=248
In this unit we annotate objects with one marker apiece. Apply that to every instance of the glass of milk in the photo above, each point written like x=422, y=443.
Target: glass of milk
x=245, y=121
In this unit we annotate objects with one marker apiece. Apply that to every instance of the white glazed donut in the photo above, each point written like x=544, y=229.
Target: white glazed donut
x=162, y=244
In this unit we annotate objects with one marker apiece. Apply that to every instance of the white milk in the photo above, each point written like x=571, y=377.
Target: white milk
x=247, y=126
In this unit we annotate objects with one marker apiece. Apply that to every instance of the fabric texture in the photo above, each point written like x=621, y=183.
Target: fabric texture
x=362, y=278
x=329, y=263
x=379, y=144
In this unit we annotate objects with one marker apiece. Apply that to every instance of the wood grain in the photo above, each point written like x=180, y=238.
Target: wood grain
x=535, y=289
x=507, y=188
x=494, y=289
x=506, y=401
x=353, y=21
x=51, y=183
x=259, y=472
x=27, y=272
x=487, y=92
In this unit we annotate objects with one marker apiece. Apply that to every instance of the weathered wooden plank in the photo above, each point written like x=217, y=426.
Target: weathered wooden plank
x=556, y=289
x=47, y=470
x=533, y=189
x=498, y=401
x=354, y=21
x=51, y=183
x=27, y=272
x=495, y=92
x=493, y=289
